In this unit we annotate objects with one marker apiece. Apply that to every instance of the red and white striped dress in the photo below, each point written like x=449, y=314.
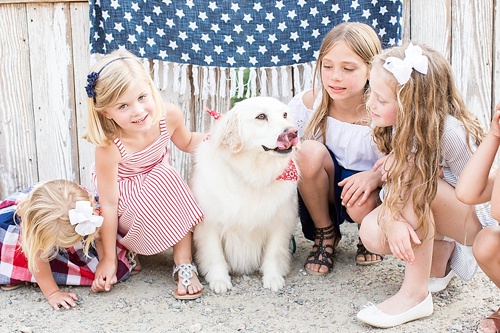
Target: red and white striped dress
x=156, y=208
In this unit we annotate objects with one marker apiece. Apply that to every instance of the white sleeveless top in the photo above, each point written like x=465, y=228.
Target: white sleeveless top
x=352, y=144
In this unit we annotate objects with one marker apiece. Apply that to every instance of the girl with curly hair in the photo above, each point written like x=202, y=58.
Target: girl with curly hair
x=428, y=135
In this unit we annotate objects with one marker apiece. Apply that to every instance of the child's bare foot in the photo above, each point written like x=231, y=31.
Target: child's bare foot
x=188, y=284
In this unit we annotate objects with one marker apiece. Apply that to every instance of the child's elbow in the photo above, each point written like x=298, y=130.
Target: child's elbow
x=463, y=196
x=495, y=212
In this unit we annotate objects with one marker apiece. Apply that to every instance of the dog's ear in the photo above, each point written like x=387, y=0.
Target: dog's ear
x=229, y=132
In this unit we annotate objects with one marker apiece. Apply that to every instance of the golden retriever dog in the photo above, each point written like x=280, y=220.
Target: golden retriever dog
x=250, y=211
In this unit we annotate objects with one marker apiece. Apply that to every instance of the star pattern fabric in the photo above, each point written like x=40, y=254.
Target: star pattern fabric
x=231, y=33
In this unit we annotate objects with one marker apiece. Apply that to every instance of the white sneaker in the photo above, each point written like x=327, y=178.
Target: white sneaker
x=438, y=284
x=373, y=316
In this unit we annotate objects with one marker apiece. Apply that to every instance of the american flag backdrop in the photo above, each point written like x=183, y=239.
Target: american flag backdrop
x=230, y=33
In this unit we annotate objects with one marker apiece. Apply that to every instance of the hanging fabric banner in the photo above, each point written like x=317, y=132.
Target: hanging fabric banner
x=230, y=33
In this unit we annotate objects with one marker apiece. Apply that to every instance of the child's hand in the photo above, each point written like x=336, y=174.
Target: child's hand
x=400, y=236
x=380, y=162
x=384, y=165
x=62, y=298
x=105, y=276
x=359, y=187
x=495, y=123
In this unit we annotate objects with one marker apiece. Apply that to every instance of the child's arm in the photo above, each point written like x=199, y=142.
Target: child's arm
x=49, y=288
x=495, y=197
x=182, y=138
x=475, y=184
x=401, y=237
x=106, y=164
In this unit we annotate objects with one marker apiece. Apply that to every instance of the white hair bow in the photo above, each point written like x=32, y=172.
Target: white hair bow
x=401, y=69
x=83, y=217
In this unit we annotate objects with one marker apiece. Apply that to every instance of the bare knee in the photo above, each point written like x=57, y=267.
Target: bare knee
x=311, y=158
x=358, y=212
x=369, y=232
x=487, y=245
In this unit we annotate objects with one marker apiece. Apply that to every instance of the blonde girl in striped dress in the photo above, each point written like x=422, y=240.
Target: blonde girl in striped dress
x=146, y=204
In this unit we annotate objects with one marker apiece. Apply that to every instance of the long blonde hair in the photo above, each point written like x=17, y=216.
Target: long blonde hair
x=45, y=225
x=363, y=41
x=424, y=102
x=115, y=76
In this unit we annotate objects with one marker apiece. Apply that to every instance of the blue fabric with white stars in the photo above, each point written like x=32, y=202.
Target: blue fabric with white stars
x=231, y=33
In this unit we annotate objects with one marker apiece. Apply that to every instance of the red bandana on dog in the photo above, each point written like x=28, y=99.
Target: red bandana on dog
x=290, y=173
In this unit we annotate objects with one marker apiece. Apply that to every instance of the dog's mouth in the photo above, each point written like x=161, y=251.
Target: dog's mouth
x=285, y=143
x=277, y=149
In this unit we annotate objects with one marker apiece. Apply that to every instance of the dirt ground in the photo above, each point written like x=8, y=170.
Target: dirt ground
x=306, y=304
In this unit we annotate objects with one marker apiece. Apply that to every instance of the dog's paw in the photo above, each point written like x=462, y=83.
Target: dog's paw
x=220, y=285
x=274, y=283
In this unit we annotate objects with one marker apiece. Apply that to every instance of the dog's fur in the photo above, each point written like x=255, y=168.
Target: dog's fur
x=250, y=216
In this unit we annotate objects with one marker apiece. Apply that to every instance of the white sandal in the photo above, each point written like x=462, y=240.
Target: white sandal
x=185, y=271
x=439, y=284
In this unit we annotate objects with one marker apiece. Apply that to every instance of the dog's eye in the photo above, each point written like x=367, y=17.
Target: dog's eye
x=285, y=115
x=262, y=116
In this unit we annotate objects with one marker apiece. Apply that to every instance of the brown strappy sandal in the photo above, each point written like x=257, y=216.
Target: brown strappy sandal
x=495, y=316
x=320, y=250
x=361, y=252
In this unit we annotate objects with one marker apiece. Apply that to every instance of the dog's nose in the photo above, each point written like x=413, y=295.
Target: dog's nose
x=293, y=134
x=288, y=138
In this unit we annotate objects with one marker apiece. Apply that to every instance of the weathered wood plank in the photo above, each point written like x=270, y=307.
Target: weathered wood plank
x=18, y=159
x=405, y=20
x=472, y=49
x=430, y=22
x=36, y=1
x=81, y=64
x=53, y=103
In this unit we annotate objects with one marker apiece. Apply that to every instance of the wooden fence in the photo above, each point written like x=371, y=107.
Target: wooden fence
x=44, y=59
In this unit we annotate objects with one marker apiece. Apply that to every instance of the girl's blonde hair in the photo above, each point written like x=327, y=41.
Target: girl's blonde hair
x=363, y=41
x=415, y=140
x=45, y=225
x=115, y=76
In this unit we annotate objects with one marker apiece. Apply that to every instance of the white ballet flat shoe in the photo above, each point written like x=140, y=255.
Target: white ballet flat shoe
x=438, y=284
x=373, y=316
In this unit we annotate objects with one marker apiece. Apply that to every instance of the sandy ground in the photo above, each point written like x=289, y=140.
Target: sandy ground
x=306, y=304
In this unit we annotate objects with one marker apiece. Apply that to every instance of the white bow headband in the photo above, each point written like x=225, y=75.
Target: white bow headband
x=401, y=69
x=83, y=217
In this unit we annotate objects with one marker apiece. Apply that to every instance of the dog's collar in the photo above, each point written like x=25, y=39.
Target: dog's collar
x=290, y=173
